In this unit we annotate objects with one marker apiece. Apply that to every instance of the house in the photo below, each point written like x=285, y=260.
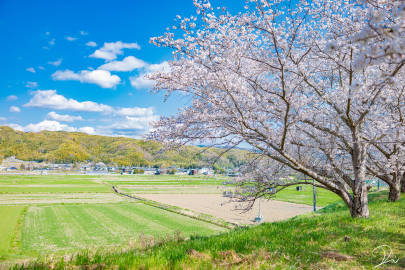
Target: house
x=12, y=161
x=11, y=169
x=149, y=171
x=206, y=171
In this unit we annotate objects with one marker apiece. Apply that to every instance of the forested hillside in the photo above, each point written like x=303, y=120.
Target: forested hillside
x=72, y=147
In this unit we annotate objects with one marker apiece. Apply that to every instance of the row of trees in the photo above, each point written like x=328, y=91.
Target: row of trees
x=314, y=87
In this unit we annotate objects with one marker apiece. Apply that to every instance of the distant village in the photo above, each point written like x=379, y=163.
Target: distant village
x=12, y=164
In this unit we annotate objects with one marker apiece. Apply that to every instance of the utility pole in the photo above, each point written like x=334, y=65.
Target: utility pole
x=259, y=217
x=314, y=194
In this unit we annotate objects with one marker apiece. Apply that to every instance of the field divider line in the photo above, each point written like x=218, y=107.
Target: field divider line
x=177, y=210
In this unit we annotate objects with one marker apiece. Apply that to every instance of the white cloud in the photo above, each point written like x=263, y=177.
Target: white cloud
x=127, y=64
x=52, y=42
x=64, y=117
x=12, y=98
x=110, y=50
x=88, y=130
x=56, y=63
x=83, y=33
x=91, y=44
x=135, y=111
x=30, y=69
x=102, y=78
x=133, y=124
x=164, y=66
x=31, y=85
x=51, y=126
x=2, y=119
x=50, y=99
x=41, y=67
x=48, y=125
x=141, y=82
x=69, y=38
x=15, y=109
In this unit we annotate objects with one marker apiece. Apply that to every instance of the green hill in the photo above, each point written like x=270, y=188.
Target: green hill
x=74, y=147
x=330, y=240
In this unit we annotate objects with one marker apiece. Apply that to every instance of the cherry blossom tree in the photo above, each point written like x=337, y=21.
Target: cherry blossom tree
x=289, y=80
x=386, y=158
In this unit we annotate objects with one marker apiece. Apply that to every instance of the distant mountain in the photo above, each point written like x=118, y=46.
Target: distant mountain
x=75, y=147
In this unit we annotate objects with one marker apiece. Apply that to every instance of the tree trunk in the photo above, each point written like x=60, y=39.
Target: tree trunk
x=403, y=183
x=359, y=204
x=395, y=191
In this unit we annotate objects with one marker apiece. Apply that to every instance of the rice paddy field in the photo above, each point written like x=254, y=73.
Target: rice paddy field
x=63, y=214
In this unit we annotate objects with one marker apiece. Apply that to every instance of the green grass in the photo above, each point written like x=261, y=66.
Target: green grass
x=56, y=189
x=305, y=196
x=73, y=227
x=304, y=242
x=12, y=184
x=9, y=216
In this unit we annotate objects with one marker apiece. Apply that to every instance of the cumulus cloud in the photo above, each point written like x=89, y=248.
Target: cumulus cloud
x=15, y=109
x=69, y=38
x=102, y=78
x=141, y=82
x=50, y=99
x=122, y=121
x=2, y=119
x=132, y=124
x=135, y=111
x=52, y=42
x=31, y=85
x=127, y=64
x=91, y=44
x=12, y=98
x=31, y=69
x=88, y=130
x=64, y=117
x=56, y=63
x=110, y=50
x=83, y=33
x=50, y=126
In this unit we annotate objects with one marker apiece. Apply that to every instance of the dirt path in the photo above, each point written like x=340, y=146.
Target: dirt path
x=216, y=205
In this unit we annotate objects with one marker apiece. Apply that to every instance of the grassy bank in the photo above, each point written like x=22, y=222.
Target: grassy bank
x=331, y=240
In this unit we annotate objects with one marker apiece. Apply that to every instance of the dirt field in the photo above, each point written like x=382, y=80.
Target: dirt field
x=216, y=205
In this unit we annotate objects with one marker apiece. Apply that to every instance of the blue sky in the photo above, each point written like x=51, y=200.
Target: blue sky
x=79, y=65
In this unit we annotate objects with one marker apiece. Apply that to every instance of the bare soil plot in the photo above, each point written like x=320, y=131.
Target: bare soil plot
x=217, y=205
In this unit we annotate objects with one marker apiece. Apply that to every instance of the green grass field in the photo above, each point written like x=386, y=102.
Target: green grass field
x=9, y=216
x=66, y=213
x=73, y=227
x=330, y=240
x=305, y=196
